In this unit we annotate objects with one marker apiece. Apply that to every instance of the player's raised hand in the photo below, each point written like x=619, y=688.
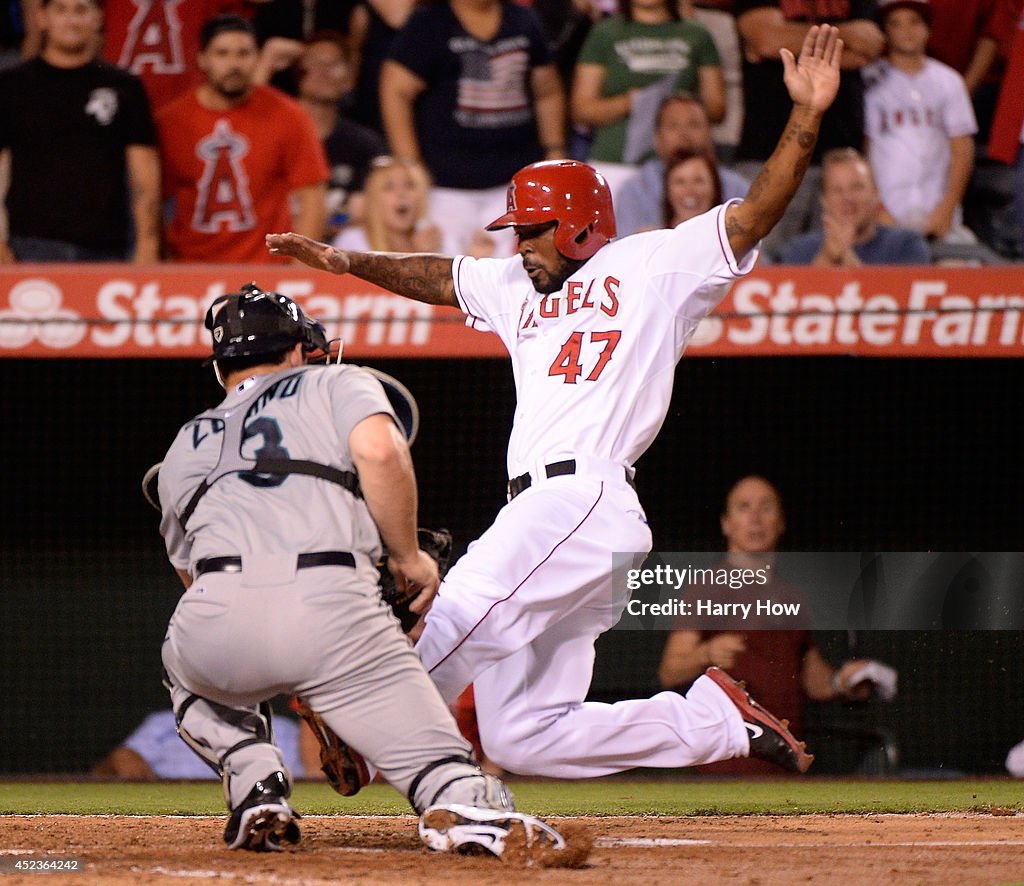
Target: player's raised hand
x=813, y=78
x=321, y=256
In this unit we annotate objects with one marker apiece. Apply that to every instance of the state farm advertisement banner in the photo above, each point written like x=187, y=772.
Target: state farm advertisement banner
x=883, y=312
x=157, y=311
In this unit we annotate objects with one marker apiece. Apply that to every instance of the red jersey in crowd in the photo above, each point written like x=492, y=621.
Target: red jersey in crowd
x=158, y=41
x=231, y=172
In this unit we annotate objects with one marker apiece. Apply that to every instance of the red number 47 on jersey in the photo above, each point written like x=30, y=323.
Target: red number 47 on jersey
x=568, y=363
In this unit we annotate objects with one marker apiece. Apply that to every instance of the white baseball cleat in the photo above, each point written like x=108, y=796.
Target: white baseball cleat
x=474, y=829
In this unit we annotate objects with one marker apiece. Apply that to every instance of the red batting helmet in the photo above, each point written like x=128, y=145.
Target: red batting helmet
x=573, y=194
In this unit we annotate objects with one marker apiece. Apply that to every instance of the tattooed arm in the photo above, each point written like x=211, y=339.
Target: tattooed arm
x=812, y=81
x=426, y=278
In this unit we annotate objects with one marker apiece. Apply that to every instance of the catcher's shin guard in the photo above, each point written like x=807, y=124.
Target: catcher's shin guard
x=458, y=780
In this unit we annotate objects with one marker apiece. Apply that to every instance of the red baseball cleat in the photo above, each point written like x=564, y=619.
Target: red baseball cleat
x=770, y=738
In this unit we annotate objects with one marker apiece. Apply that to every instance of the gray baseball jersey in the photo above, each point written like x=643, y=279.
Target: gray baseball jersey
x=304, y=413
x=238, y=638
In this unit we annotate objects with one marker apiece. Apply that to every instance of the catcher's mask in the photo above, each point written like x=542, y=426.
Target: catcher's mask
x=573, y=194
x=254, y=321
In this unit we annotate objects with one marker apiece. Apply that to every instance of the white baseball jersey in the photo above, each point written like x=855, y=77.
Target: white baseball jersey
x=594, y=363
x=909, y=120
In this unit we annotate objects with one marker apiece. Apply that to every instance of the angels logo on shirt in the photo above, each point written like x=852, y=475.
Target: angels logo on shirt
x=102, y=105
x=154, y=38
x=223, y=199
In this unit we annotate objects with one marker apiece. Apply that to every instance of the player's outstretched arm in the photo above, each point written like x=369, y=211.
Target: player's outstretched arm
x=426, y=278
x=812, y=81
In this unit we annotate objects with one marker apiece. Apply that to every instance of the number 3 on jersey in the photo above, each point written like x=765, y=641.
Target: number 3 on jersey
x=568, y=363
x=270, y=431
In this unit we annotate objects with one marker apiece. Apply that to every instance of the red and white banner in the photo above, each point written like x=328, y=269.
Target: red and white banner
x=100, y=310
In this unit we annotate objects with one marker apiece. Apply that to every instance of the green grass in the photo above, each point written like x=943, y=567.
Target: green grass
x=594, y=797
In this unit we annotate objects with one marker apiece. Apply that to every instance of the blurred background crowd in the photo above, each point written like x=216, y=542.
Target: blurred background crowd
x=149, y=130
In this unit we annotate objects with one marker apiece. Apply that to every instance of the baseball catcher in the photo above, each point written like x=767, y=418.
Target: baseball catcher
x=345, y=770
x=277, y=507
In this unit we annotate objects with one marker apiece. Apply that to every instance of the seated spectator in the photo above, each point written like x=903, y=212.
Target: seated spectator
x=84, y=171
x=470, y=90
x=239, y=159
x=630, y=62
x=782, y=668
x=920, y=129
x=692, y=187
x=155, y=750
x=395, y=212
x=1015, y=760
x=323, y=75
x=681, y=125
x=852, y=234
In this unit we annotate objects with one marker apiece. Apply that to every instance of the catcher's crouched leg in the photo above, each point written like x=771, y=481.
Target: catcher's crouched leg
x=466, y=810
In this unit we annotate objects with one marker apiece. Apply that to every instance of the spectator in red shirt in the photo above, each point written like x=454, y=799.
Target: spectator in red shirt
x=157, y=40
x=239, y=159
x=782, y=667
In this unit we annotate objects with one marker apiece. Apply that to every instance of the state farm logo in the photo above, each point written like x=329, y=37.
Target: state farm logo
x=35, y=312
x=88, y=313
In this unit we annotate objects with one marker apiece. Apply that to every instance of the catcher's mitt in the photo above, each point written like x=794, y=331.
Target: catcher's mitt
x=345, y=768
x=435, y=542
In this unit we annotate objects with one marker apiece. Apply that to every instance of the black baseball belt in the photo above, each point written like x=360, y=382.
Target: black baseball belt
x=555, y=469
x=303, y=561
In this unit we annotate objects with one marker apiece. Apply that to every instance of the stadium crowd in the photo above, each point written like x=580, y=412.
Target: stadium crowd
x=144, y=130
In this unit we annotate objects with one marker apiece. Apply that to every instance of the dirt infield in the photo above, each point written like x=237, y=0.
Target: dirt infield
x=845, y=850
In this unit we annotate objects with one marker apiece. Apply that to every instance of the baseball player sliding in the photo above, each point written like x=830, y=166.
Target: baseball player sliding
x=274, y=506
x=594, y=328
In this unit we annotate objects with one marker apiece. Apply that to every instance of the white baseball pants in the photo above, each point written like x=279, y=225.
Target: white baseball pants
x=518, y=616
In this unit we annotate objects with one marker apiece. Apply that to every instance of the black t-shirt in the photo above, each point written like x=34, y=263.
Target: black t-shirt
x=379, y=37
x=475, y=121
x=296, y=21
x=766, y=102
x=350, y=148
x=67, y=129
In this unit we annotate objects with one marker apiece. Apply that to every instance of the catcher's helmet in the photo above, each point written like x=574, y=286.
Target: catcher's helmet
x=573, y=194
x=254, y=321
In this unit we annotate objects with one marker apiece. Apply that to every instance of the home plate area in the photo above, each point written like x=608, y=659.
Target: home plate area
x=845, y=850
